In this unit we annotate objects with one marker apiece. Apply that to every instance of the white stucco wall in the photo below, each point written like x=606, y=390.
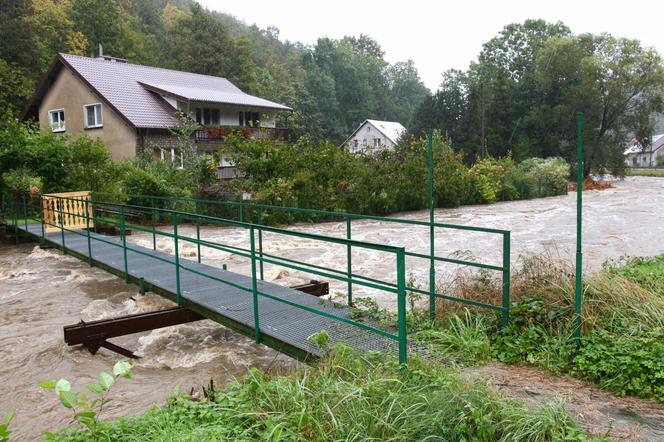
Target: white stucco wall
x=364, y=140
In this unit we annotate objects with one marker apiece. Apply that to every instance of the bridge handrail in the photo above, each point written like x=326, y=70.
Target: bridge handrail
x=254, y=255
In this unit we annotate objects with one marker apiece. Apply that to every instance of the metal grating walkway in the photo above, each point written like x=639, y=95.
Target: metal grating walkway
x=223, y=303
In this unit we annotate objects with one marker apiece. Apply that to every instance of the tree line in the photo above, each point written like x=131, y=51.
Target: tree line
x=333, y=85
x=519, y=96
x=522, y=93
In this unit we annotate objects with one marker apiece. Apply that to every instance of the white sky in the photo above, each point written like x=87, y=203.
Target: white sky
x=441, y=35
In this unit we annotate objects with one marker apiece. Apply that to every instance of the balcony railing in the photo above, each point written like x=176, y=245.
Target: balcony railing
x=221, y=132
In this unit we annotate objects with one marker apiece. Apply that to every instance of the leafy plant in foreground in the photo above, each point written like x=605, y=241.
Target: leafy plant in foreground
x=5, y=432
x=86, y=410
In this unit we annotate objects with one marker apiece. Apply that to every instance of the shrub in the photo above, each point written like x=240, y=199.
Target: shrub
x=550, y=175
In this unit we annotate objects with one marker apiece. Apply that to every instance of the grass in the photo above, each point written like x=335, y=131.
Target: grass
x=646, y=172
x=623, y=324
x=353, y=396
x=347, y=397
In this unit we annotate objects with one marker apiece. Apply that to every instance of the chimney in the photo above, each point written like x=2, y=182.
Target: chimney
x=100, y=50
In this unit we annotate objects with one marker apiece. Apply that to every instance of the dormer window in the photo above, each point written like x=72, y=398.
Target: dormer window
x=56, y=119
x=92, y=114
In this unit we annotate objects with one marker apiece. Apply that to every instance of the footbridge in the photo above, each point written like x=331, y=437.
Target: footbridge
x=97, y=228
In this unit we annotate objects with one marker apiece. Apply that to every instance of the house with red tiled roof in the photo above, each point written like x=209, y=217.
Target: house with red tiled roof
x=131, y=107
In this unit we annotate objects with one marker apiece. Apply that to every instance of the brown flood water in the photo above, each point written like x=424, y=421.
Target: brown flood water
x=41, y=291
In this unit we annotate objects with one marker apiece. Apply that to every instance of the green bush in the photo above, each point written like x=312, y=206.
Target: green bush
x=323, y=176
x=550, y=175
x=623, y=362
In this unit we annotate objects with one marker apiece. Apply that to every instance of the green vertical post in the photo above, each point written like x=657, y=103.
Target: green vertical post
x=349, y=262
x=578, y=293
x=123, y=235
x=260, y=244
x=62, y=225
x=15, y=199
x=254, y=286
x=260, y=253
x=401, y=305
x=25, y=214
x=198, y=232
x=177, y=258
x=506, y=279
x=241, y=209
x=154, y=233
x=432, y=245
x=87, y=231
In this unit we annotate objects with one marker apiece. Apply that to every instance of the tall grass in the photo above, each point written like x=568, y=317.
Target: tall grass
x=349, y=397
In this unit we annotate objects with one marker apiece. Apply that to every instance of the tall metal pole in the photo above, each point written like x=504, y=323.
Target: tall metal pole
x=432, y=261
x=578, y=295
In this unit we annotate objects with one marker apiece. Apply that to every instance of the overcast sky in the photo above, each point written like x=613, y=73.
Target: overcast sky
x=443, y=35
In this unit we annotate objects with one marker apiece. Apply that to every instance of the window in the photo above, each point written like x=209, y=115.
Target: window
x=56, y=119
x=376, y=142
x=92, y=113
x=207, y=116
x=248, y=119
x=355, y=143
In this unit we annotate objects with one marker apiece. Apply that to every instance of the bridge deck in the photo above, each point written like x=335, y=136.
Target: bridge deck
x=283, y=326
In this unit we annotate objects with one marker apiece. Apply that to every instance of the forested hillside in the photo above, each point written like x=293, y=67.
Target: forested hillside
x=332, y=85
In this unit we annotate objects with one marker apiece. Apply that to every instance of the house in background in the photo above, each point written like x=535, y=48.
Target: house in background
x=636, y=156
x=131, y=107
x=374, y=135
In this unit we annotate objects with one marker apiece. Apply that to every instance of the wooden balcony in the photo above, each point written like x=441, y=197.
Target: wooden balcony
x=218, y=133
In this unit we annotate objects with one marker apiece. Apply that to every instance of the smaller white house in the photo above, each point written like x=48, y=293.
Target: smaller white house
x=636, y=156
x=374, y=135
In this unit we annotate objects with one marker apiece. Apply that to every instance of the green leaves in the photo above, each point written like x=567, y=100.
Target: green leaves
x=86, y=410
x=67, y=398
x=106, y=381
x=122, y=368
x=4, y=427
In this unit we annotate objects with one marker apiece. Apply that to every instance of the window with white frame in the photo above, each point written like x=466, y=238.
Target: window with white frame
x=56, y=118
x=92, y=114
x=376, y=142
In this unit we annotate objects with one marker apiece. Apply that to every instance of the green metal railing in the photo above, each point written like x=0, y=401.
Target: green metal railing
x=256, y=212
x=119, y=215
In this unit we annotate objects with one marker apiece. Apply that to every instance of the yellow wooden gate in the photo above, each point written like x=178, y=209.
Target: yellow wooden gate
x=71, y=207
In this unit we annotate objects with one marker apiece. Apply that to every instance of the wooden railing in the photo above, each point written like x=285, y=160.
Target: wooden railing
x=67, y=210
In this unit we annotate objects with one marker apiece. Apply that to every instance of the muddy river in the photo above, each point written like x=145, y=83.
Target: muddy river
x=40, y=291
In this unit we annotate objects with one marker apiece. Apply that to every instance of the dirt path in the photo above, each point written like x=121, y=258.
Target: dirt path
x=599, y=412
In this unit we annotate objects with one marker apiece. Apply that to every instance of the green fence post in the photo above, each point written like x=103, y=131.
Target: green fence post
x=349, y=262
x=401, y=305
x=254, y=286
x=260, y=245
x=177, y=258
x=506, y=278
x=241, y=209
x=62, y=224
x=198, y=232
x=123, y=235
x=578, y=292
x=87, y=230
x=15, y=207
x=432, y=245
x=154, y=232
x=25, y=215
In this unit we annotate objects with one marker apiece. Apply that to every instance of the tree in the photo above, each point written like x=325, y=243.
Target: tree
x=614, y=81
x=99, y=21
